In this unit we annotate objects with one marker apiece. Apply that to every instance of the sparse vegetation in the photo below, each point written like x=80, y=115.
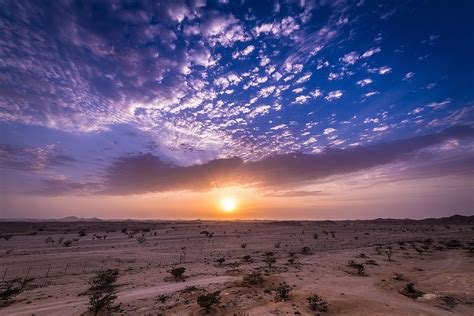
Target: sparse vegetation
x=220, y=261
x=282, y=292
x=102, y=290
x=207, y=300
x=253, y=278
x=305, y=250
x=9, y=289
x=317, y=303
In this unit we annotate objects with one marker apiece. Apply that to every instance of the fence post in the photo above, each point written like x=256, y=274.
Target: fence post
x=47, y=272
x=5, y=274
x=27, y=273
x=65, y=270
x=84, y=269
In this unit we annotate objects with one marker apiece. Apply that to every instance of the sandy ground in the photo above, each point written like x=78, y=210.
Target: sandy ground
x=422, y=254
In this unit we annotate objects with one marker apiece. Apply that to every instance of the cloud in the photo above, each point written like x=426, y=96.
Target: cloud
x=439, y=105
x=142, y=173
x=371, y=52
x=295, y=193
x=364, y=82
x=28, y=158
x=334, y=95
x=408, y=75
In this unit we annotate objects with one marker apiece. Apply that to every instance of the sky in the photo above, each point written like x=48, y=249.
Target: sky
x=293, y=109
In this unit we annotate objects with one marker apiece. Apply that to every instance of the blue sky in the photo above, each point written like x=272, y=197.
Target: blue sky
x=101, y=98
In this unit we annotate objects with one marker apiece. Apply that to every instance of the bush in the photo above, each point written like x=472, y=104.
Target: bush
x=102, y=290
x=315, y=236
x=317, y=303
x=282, y=292
x=220, y=261
x=243, y=246
x=67, y=243
x=207, y=300
x=247, y=258
x=10, y=289
x=253, y=278
x=305, y=250
x=82, y=233
x=359, y=267
x=178, y=272
x=141, y=239
x=410, y=291
x=269, y=259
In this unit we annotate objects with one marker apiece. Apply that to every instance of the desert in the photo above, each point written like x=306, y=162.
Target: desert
x=256, y=267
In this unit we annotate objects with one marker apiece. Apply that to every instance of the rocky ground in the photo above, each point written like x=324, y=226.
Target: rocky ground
x=265, y=268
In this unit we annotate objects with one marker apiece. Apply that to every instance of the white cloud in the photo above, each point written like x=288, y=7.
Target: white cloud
x=316, y=93
x=364, y=82
x=302, y=99
x=329, y=130
x=334, y=95
x=408, y=75
x=370, y=52
x=298, y=90
x=304, y=78
x=350, y=58
x=439, y=105
x=371, y=93
x=384, y=70
x=380, y=128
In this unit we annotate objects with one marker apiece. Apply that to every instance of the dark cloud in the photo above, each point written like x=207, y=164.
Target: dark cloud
x=27, y=158
x=295, y=193
x=147, y=173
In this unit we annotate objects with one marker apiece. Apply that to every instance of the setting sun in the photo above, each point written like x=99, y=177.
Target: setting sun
x=228, y=204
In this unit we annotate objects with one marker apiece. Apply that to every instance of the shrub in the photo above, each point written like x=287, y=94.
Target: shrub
x=67, y=243
x=244, y=245
x=9, y=289
x=359, y=267
x=269, y=259
x=253, y=278
x=247, y=258
x=305, y=250
x=207, y=300
x=220, y=261
x=102, y=290
x=277, y=245
x=141, y=239
x=178, y=272
x=282, y=292
x=82, y=233
x=315, y=236
x=410, y=291
x=317, y=303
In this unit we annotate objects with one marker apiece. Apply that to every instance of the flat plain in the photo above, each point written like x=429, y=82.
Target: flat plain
x=257, y=267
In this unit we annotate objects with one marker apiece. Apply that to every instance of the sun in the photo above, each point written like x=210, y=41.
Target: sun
x=228, y=204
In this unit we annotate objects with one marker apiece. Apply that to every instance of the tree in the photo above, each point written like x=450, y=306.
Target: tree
x=207, y=300
x=178, y=272
x=269, y=259
x=220, y=261
x=389, y=253
x=359, y=267
x=102, y=290
x=9, y=289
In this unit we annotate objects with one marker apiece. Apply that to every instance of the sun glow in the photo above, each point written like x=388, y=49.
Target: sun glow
x=228, y=204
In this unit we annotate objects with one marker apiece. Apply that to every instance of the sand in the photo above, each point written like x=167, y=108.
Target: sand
x=421, y=253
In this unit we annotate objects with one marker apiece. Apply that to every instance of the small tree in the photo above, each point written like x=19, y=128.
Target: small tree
x=315, y=236
x=317, y=303
x=82, y=233
x=102, y=290
x=269, y=259
x=207, y=300
x=247, y=258
x=282, y=292
x=220, y=261
x=178, y=272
